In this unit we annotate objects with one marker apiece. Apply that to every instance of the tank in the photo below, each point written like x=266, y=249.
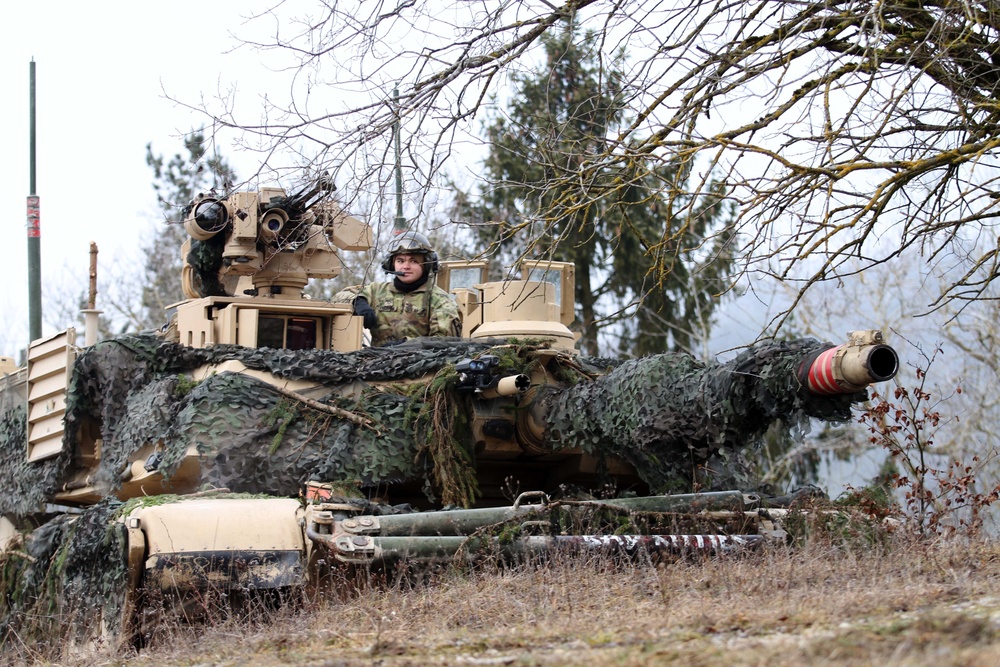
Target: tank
x=257, y=444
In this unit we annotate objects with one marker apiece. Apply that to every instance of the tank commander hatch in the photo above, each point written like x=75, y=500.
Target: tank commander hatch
x=411, y=304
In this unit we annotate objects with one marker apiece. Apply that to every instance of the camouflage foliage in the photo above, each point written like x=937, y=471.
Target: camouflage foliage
x=25, y=485
x=227, y=416
x=682, y=423
x=58, y=582
x=688, y=425
x=674, y=418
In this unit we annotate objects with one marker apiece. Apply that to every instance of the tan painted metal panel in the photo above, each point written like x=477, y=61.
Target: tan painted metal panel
x=217, y=524
x=346, y=333
x=50, y=361
x=246, y=325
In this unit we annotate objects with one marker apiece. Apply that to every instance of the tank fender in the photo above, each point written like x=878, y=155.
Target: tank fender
x=246, y=543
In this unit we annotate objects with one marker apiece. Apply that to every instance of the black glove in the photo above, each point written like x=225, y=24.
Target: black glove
x=362, y=309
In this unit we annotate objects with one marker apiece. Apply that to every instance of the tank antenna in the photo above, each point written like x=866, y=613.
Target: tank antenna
x=400, y=224
x=90, y=315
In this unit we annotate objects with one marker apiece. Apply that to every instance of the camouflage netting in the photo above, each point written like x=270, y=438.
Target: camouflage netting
x=672, y=417
x=60, y=581
x=678, y=421
x=251, y=438
x=683, y=423
x=25, y=485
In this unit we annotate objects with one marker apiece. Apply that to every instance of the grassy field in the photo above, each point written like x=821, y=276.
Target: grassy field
x=902, y=603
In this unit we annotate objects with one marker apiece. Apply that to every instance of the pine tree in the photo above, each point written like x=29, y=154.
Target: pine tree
x=612, y=228
x=695, y=245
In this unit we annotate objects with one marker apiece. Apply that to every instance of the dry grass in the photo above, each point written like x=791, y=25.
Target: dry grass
x=910, y=604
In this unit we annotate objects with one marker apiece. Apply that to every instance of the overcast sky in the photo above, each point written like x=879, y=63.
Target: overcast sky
x=100, y=81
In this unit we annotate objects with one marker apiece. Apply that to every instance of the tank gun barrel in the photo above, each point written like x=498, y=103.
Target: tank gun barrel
x=671, y=414
x=849, y=368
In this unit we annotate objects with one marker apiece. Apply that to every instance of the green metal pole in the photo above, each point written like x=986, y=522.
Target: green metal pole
x=711, y=501
x=400, y=224
x=447, y=522
x=34, y=228
x=466, y=522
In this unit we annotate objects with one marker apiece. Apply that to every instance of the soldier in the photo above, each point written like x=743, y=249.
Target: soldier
x=411, y=305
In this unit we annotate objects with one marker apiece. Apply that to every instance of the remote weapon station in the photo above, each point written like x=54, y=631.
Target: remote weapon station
x=257, y=444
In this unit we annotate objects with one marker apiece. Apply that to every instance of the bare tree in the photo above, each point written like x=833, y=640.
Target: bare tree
x=845, y=131
x=963, y=339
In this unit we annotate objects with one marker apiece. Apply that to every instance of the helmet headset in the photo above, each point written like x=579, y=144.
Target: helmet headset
x=411, y=243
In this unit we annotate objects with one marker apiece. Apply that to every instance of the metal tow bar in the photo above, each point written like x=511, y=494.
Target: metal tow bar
x=424, y=536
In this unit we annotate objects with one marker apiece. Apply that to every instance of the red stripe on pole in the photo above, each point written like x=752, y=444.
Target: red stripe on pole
x=34, y=217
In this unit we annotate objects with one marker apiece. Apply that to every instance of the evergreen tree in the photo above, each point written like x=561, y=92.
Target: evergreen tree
x=614, y=227
x=176, y=183
x=673, y=264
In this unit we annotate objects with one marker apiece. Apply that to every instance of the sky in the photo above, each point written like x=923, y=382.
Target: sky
x=103, y=75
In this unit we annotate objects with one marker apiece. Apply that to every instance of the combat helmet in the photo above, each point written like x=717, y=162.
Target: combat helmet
x=411, y=242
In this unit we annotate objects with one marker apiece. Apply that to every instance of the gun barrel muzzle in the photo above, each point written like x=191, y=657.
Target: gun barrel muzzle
x=846, y=369
x=508, y=386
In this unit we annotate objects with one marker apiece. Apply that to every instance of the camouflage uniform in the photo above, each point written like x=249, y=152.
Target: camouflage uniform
x=404, y=315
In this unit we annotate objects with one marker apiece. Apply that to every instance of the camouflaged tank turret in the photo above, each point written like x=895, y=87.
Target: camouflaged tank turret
x=259, y=442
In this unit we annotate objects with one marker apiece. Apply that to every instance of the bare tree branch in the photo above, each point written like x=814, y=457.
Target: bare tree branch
x=845, y=131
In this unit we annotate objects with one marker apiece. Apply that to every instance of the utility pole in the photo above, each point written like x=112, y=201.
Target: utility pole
x=34, y=226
